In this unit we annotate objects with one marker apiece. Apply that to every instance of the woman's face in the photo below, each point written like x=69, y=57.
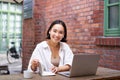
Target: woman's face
x=56, y=33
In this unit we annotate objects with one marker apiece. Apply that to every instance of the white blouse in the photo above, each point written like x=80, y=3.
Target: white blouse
x=43, y=53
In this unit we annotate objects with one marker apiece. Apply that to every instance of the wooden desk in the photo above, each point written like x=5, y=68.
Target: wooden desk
x=101, y=73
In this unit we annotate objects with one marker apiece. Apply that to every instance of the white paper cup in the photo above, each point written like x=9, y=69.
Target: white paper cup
x=27, y=74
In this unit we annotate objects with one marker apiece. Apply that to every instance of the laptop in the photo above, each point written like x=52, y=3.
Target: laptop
x=45, y=73
x=83, y=65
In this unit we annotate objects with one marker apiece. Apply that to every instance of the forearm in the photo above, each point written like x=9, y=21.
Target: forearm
x=64, y=68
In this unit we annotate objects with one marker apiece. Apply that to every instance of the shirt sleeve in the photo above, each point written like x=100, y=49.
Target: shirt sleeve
x=35, y=55
x=68, y=55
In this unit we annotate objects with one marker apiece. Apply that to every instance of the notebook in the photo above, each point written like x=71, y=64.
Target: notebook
x=83, y=65
x=45, y=73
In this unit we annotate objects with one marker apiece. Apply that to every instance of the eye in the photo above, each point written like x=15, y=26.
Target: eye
x=55, y=30
x=61, y=32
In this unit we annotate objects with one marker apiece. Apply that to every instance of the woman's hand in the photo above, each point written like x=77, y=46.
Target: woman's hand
x=55, y=69
x=34, y=64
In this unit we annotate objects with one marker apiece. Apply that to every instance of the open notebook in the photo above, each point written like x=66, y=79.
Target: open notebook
x=83, y=65
x=45, y=73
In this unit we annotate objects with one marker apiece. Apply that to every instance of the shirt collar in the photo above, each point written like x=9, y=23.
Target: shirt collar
x=46, y=45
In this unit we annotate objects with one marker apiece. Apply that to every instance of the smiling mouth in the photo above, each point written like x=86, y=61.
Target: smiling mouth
x=56, y=39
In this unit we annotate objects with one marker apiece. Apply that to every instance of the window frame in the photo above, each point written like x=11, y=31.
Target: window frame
x=15, y=33
x=114, y=32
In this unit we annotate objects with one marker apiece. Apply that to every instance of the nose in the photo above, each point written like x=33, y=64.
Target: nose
x=57, y=34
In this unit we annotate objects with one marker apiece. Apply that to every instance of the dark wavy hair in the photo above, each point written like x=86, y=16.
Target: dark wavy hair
x=64, y=26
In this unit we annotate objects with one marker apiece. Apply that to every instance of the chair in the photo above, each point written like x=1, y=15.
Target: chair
x=4, y=69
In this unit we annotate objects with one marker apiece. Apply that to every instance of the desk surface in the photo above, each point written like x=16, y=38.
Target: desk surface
x=101, y=73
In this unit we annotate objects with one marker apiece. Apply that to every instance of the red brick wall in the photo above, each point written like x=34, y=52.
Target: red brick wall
x=84, y=20
x=33, y=31
x=28, y=41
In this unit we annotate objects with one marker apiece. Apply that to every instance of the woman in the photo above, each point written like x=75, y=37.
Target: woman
x=54, y=54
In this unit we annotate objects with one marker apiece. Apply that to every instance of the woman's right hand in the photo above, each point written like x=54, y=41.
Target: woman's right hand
x=34, y=64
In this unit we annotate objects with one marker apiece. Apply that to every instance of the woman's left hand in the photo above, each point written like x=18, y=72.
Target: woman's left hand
x=55, y=69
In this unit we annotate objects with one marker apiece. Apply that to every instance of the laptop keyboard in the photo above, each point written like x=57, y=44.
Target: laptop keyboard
x=66, y=72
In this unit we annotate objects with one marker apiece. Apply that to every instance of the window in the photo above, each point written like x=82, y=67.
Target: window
x=10, y=24
x=112, y=18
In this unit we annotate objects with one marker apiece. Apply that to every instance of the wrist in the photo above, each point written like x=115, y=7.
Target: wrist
x=59, y=69
x=33, y=68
